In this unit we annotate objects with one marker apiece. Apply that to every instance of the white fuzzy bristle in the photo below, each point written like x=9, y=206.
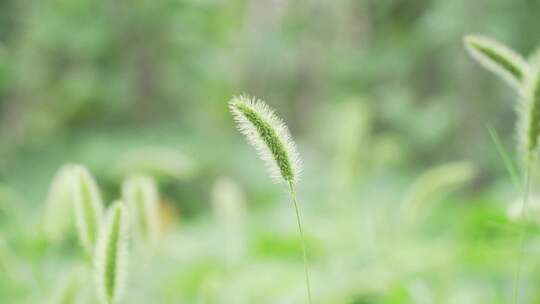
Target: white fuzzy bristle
x=266, y=114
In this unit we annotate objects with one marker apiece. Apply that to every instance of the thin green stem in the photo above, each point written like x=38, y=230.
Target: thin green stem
x=302, y=238
x=528, y=178
x=509, y=165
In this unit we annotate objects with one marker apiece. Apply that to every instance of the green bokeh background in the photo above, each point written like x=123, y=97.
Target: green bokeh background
x=378, y=94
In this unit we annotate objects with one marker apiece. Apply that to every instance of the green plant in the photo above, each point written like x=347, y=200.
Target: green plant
x=58, y=206
x=525, y=78
x=104, y=238
x=508, y=164
x=112, y=254
x=141, y=196
x=272, y=140
x=88, y=206
x=435, y=182
x=497, y=58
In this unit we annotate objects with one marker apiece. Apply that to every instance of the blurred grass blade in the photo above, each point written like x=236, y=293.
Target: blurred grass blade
x=58, y=206
x=112, y=254
x=69, y=289
x=529, y=115
x=141, y=196
x=350, y=130
x=508, y=164
x=497, y=58
x=434, y=183
x=228, y=202
x=270, y=136
x=88, y=206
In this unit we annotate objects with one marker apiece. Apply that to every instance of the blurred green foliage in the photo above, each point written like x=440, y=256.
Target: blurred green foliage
x=143, y=86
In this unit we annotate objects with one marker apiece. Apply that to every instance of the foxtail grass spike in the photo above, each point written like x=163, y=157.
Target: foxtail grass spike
x=432, y=184
x=141, y=196
x=88, y=206
x=269, y=135
x=528, y=132
x=525, y=77
x=522, y=235
x=58, y=206
x=529, y=114
x=497, y=58
x=112, y=254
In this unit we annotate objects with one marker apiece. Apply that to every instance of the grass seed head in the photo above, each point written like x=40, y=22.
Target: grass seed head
x=529, y=113
x=497, y=58
x=112, y=254
x=88, y=206
x=58, y=206
x=141, y=196
x=269, y=135
x=434, y=183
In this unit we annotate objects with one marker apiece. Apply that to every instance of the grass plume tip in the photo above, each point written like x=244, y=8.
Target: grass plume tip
x=269, y=135
x=141, y=196
x=112, y=254
x=88, y=206
x=58, y=206
x=529, y=113
x=497, y=58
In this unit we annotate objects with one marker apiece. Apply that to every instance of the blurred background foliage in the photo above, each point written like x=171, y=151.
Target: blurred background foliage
x=386, y=106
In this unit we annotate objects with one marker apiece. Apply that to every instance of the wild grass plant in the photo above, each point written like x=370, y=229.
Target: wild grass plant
x=431, y=185
x=498, y=58
x=58, y=208
x=235, y=256
x=104, y=237
x=112, y=254
x=88, y=206
x=524, y=76
x=272, y=140
x=141, y=195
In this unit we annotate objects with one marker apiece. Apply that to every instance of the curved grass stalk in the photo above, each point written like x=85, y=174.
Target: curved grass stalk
x=58, y=206
x=435, y=182
x=497, y=58
x=302, y=239
x=272, y=140
x=528, y=181
x=140, y=193
x=528, y=132
x=112, y=254
x=508, y=164
x=88, y=207
x=525, y=77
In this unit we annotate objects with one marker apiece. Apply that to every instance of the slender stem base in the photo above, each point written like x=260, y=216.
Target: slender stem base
x=528, y=178
x=302, y=238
